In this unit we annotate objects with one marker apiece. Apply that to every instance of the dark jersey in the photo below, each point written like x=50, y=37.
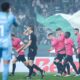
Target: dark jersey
x=33, y=38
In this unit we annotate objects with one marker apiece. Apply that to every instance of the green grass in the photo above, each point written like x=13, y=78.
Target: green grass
x=20, y=76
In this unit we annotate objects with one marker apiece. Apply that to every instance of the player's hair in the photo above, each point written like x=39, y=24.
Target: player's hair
x=68, y=34
x=50, y=34
x=13, y=35
x=58, y=29
x=5, y=6
x=76, y=29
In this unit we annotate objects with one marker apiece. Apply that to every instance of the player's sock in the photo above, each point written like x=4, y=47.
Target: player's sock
x=68, y=68
x=14, y=67
x=79, y=67
x=59, y=65
x=34, y=73
x=74, y=67
x=56, y=66
x=41, y=71
x=30, y=70
x=5, y=72
x=36, y=67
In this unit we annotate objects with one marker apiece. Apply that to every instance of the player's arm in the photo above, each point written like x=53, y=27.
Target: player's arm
x=75, y=49
x=25, y=32
x=22, y=46
x=15, y=22
x=61, y=49
x=28, y=44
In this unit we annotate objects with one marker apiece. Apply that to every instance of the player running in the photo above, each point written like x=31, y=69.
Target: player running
x=76, y=31
x=20, y=56
x=17, y=44
x=7, y=19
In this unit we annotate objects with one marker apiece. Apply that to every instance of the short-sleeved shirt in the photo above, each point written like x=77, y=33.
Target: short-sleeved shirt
x=78, y=42
x=6, y=22
x=17, y=43
x=69, y=46
x=61, y=44
x=33, y=45
x=54, y=43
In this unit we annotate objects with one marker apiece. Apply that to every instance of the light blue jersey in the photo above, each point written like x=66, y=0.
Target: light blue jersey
x=6, y=22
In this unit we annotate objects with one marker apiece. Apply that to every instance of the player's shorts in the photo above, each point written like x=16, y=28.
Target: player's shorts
x=21, y=58
x=6, y=45
x=60, y=57
x=32, y=54
x=68, y=59
x=5, y=53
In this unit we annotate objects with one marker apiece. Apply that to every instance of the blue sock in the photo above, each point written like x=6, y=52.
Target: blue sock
x=5, y=72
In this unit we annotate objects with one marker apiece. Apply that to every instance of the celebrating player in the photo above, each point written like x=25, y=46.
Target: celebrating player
x=61, y=50
x=54, y=43
x=76, y=31
x=17, y=44
x=32, y=45
x=20, y=56
x=7, y=19
x=69, y=45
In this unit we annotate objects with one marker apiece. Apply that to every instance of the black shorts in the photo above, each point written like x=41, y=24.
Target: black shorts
x=60, y=57
x=32, y=54
x=21, y=58
x=68, y=59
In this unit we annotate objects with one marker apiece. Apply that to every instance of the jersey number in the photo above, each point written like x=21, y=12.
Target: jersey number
x=1, y=30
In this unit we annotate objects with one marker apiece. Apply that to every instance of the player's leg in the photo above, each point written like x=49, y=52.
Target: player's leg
x=79, y=63
x=38, y=68
x=58, y=63
x=6, y=69
x=14, y=66
x=26, y=63
x=6, y=60
x=0, y=55
x=72, y=63
x=30, y=68
x=67, y=66
x=35, y=66
x=64, y=64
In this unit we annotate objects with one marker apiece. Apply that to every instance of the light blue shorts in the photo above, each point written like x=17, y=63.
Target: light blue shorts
x=6, y=54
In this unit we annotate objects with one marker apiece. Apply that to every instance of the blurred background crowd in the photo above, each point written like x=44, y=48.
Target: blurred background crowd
x=25, y=13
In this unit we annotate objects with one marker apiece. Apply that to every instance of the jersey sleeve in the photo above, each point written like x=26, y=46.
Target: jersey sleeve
x=54, y=42
x=15, y=23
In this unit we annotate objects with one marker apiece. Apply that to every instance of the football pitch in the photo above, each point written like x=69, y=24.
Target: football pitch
x=48, y=76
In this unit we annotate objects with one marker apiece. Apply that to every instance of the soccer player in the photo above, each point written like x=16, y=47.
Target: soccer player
x=76, y=31
x=7, y=19
x=61, y=49
x=17, y=44
x=69, y=45
x=54, y=44
x=32, y=45
x=20, y=56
